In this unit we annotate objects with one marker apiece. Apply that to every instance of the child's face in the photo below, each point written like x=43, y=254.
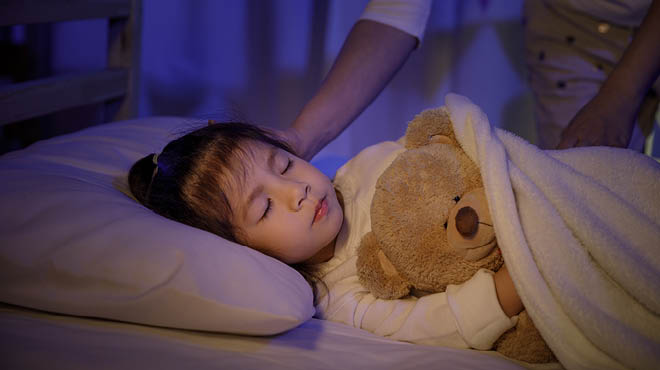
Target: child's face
x=284, y=206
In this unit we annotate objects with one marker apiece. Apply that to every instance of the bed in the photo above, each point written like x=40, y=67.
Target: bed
x=90, y=278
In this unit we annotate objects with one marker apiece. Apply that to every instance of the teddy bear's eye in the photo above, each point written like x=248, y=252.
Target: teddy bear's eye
x=457, y=199
x=445, y=225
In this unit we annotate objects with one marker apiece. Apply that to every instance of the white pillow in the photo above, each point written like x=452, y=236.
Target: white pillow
x=73, y=241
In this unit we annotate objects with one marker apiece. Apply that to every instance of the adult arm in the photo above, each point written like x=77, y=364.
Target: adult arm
x=372, y=53
x=608, y=119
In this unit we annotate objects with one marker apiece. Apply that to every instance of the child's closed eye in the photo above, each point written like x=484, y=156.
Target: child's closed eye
x=268, y=206
x=289, y=164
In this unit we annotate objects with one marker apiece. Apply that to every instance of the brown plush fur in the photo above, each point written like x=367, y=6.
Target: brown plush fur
x=408, y=248
x=524, y=342
x=373, y=271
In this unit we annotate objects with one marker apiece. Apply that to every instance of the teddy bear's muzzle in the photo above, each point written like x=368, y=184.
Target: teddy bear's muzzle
x=467, y=221
x=470, y=230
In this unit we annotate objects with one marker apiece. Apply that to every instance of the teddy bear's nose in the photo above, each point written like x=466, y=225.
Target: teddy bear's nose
x=467, y=221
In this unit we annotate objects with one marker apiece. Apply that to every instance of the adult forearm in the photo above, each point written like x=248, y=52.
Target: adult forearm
x=639, y=66
x=372, y=53
x=608, y=119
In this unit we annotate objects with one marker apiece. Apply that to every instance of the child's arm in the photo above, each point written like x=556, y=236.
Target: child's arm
x=465, y=316
x=506, y=292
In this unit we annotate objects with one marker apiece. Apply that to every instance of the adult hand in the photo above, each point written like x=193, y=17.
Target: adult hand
x=609, y=118
x=293, y=138
x=603, y=121
x=372, y=53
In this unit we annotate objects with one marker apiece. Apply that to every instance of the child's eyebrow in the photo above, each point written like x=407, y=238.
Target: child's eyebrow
x=272, y=152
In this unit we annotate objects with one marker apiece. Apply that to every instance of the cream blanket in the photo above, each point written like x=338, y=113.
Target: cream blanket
x=580, y=233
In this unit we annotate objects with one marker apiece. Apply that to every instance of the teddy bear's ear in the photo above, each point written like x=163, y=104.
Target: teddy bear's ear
x=440, y=139
x=430, y=126
x=377, y=273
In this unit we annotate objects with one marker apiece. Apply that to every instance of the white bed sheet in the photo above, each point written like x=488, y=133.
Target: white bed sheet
x=38, y=340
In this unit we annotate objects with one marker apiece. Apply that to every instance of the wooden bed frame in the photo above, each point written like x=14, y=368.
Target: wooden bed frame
x=114, y=88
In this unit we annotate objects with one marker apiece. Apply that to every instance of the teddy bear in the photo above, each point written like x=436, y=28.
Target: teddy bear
x=431, y=226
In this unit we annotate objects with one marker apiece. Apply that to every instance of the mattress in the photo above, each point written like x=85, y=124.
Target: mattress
x=40, y=340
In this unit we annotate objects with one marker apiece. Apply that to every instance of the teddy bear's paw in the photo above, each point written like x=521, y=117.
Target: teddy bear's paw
x=524, y=343
x=377, y=273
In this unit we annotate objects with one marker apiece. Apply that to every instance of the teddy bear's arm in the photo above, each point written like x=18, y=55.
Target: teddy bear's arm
x=377, y=273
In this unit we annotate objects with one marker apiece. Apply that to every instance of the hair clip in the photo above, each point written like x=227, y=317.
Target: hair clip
x=212, y=122
x=154, y=159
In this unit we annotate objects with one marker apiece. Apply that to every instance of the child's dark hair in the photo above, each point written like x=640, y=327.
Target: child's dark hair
x=185, y=183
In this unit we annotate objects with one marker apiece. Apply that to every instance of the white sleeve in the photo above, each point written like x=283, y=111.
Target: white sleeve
x=409, y=16
x=477, y=310
x=466, y=316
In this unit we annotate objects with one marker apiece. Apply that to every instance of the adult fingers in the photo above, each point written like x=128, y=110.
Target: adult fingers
x=568, y=141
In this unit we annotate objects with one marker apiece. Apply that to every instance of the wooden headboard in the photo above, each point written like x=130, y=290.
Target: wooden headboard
x=115, y=87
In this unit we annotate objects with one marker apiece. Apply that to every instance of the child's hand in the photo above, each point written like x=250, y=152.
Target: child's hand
x=506, y=292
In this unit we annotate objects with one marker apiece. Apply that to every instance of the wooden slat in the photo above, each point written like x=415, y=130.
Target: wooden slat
x=36, y=98
x=124, y=47
x=40, y=11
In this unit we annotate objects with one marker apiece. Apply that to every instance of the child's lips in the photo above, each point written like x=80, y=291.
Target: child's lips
x=321, y=210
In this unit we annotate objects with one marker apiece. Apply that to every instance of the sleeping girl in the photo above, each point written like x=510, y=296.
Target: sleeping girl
x=244, y=184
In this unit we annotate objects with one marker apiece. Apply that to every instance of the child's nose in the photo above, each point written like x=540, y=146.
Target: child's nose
x=300, y=194
x=294, y=193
